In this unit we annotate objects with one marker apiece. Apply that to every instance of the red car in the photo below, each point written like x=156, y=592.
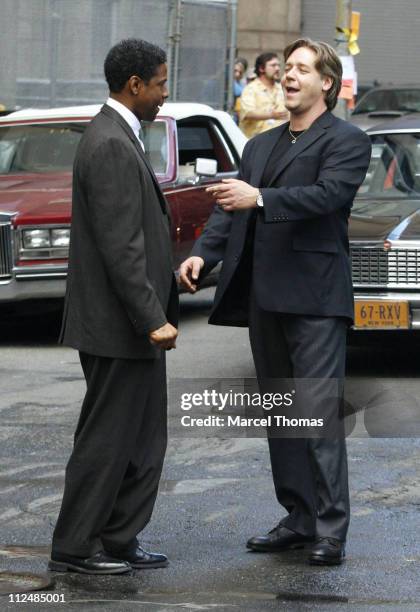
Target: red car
x=37, y=148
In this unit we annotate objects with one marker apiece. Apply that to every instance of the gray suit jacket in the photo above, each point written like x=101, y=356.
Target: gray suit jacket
x=120, y=284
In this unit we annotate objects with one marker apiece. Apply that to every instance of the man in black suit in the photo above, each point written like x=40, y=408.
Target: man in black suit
x=120, y=313
x=281, y=232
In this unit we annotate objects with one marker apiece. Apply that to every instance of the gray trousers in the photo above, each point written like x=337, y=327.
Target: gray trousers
x=310, y=474
x=113, y=472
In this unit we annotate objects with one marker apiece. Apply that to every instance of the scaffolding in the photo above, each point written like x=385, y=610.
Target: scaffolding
x=53, y=50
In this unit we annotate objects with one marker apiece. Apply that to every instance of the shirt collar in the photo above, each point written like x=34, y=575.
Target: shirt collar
x=261, y=85
x=126, y=114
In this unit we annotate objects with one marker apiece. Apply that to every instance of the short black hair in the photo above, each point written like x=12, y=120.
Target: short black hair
x=261, y=61
x=131, y=57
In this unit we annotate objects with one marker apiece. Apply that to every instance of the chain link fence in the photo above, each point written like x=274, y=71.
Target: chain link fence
x=53, y=50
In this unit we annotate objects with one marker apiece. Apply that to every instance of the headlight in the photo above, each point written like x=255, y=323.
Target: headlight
x=36, y=239
x=60, y=237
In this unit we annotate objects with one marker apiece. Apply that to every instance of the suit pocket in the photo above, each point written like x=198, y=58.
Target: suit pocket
x=300, y=172
x=315, y=245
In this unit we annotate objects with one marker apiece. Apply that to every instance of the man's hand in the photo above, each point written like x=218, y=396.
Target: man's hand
x=232, y=194
x=189, y=271
x=164, y=337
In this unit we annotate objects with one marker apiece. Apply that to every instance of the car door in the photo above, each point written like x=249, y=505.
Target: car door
x=198, y=137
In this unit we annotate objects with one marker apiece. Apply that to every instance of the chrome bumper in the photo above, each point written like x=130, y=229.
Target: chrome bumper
x=34, y=282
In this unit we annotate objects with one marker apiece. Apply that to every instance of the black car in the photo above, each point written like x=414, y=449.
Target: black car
x=385, y=102
x=385, y=230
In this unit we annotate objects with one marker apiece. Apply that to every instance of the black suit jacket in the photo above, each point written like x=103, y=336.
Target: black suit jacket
x=120, y=284
x=300, y=261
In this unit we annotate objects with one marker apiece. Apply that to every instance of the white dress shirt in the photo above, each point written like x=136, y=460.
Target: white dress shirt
x=128, y=116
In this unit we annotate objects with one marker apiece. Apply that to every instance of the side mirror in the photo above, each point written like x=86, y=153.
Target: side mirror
x=205, y=167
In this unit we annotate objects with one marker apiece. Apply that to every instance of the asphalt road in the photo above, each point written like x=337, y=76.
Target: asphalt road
x=215, y=492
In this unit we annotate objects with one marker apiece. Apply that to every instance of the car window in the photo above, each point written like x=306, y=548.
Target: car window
x=38, y=148
x=203, y=138
x=394, y=168
x=156, y=144
x=389, y=100
x=46, y=148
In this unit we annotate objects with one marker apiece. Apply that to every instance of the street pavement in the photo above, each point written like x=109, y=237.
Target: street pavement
x=215, y=492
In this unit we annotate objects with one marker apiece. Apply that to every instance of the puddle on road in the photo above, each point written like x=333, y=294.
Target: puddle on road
x=100, y=589
x=125, y=589
x=312, y=597
x=207, y=600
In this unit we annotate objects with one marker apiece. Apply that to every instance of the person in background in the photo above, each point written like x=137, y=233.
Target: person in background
x=239, y=82
x=262, y=100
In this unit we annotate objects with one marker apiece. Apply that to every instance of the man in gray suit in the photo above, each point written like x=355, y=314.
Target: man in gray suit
x=120, y=313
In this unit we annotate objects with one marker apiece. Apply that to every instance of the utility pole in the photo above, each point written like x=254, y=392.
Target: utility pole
x=228, y=98
x=174, y=42
x=54, y=47
x=342, y=25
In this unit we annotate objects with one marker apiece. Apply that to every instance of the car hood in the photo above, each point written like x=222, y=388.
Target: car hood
x=36, y=198
x=31, y=198
x=377, y=220
x=366, y=121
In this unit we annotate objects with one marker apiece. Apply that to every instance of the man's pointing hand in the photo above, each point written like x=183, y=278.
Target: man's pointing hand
x=232, y=194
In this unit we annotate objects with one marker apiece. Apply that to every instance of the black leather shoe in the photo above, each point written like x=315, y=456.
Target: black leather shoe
x=141, y=559
x=101, y=563
x=279, y=538
x=327, y=551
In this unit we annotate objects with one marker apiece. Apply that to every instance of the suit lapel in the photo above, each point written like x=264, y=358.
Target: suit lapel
x=315, y=132
x=304, y=142
x=110, y=112
x=264, y=155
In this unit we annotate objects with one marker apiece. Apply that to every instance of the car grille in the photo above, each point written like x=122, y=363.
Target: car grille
x=375, y=267
x=5, y=251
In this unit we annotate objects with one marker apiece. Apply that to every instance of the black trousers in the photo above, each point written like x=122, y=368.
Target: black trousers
x=113, y=472
x=310, y=474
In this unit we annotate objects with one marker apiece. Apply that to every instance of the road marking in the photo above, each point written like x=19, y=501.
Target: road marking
x=198, y=485
x=43, y=501
x=24, y=468
x=9, y=514
x=60, y=473
x=11, y=489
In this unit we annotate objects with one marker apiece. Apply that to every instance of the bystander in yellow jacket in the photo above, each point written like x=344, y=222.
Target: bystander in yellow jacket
x=260, y=98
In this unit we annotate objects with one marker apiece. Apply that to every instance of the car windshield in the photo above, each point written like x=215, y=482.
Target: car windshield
x=50, y=147
x=394, y=169
x=404, y=100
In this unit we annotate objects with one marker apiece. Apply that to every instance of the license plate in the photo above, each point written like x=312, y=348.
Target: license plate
x=381, y=315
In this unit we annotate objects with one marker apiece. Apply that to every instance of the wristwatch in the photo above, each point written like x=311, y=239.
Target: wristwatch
x=260, y=201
